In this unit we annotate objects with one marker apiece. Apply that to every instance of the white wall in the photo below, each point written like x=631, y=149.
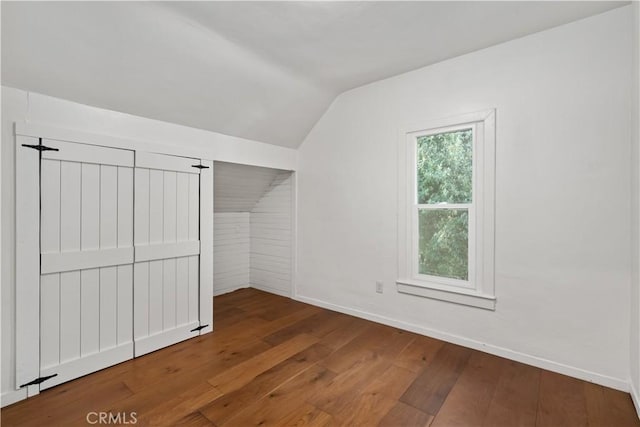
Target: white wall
x=271, y=245
x=562, y=198
x=635, y=216
x=230, y=251
x=21, y=106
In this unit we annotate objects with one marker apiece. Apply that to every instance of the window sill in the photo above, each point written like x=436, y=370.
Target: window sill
x=448, y=293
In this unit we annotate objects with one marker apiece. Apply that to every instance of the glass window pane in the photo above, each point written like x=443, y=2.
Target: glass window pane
x=444, y=167
x=443, y=242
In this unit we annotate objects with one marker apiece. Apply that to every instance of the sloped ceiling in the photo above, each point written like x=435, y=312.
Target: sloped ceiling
x=259, y=70
x=237, y=188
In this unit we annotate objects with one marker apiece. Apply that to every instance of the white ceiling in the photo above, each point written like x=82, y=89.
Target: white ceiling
x=259, y=70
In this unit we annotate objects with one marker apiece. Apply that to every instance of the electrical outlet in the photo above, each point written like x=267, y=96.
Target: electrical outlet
x=379, y=287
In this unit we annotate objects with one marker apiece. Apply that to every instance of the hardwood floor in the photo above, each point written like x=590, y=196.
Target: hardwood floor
x=274, y=361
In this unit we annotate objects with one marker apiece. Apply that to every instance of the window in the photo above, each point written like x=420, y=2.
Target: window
x=446, y=210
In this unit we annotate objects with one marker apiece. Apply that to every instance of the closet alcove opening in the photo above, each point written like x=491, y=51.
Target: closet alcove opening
x=253, y=228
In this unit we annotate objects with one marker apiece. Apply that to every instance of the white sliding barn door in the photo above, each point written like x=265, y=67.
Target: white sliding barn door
x=167, y=251
x=114, y=256
x=86, y=266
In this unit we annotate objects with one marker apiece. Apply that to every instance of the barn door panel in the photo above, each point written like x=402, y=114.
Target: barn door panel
x=167, y=249
x=86, y=244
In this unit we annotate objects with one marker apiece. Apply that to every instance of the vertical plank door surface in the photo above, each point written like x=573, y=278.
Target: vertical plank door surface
x=86, y=245
x=167, y=249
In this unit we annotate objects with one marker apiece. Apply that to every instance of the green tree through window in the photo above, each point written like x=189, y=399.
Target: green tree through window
x=444, y=176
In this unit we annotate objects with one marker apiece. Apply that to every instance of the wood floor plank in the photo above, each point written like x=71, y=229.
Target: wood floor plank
x=392, y=383
x=225, y=407
x=621, y=407
x=194, y=419
x=181, y=368
x=322, y=368
x=351, y=353
x=228, y=317
x=237, y=297
x=418, y=354
x=377, y=396
x=283, y=401
x=404, y=415
x=172, y=410
x=318, y=325
x=433, y=385
x=607, y=407
x=341, y=336
x=277, y=310
x=562, y=401
x=152, y=402
x=341, y=392
x=395, y=344
x=468, y=402
x=63, y=405
x=246, y=371
x=242, y=329
x=308, y=416
x=382, y=340
x=262, y=305
x=515, y=401
x=253, y=298
x=286, y=321
x=367, y=409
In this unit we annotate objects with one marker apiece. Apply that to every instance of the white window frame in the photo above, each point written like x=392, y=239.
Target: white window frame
x=479, y=289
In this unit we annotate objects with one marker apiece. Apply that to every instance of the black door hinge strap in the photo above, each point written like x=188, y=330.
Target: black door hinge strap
x=39, y=380
x=198, y=328
x=40, y=147
x=200, y=166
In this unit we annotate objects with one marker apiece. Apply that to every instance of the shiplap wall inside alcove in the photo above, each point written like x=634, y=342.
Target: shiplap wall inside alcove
x=252, y=228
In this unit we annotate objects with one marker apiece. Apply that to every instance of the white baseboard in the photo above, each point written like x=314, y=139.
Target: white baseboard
x=10, y=397
x=217, y=292
x=635, y=397
x=538, y=362
x=271, y=290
